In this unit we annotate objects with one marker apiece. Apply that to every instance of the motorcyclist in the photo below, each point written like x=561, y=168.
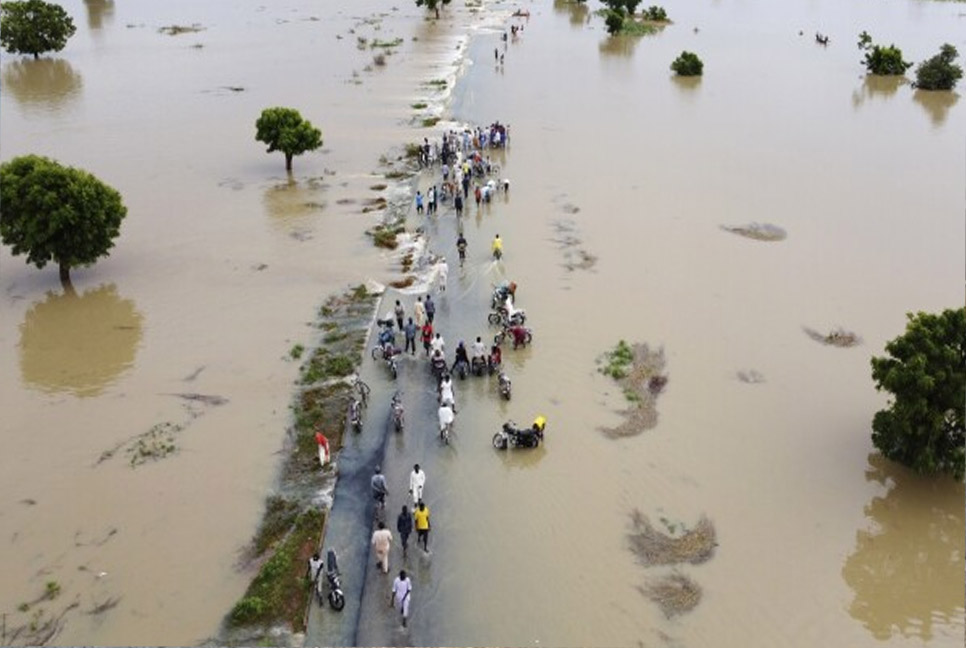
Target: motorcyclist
x=519, y=334
x=446, y=396
x=496, y=357
x=461, y=247
x=438, y=363
x=479, y=349
x=461, y=355
x=446, y=417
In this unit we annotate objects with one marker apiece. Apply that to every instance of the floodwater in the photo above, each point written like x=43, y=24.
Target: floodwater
x=223, y=259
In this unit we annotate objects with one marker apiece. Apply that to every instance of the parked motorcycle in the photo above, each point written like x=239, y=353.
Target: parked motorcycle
x=504, y=318
x=500, y=293
x=478, y=366
x=511, y=436
x=397, y=412
x=334, y=580
x=461, y=369
x=505, y=385
x=356, y=406
x=439, y=368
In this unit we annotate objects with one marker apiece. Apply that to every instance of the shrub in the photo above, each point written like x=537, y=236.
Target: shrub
x=939, y=72
x=688, y=64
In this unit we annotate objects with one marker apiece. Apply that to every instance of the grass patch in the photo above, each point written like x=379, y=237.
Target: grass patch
x=176, y=30
x=396, y=175
x=437, y=83
x=429, y=122
x=296, y=352
x=396, y=42
x=403, y=283
x=280, y=515
x=419, y=105
x=675, y=593
x=385, y=236
x=652, y=546
x=413, y=149
x=280, y=590
x=639, y=28
x=325, y=365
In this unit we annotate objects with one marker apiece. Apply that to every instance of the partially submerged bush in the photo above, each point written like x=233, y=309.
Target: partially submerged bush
x=688, y=64
x=939, y=72
x=884, y=61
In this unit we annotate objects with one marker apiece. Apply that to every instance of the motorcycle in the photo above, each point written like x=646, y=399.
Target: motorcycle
x=446, y=419
x=356, y=406
x=478, y=366
x=502, y=317
x=398, y=414
x=521, y=335
x=334, y=579
x=505, y=385
x=439, y=369
x=460, y=369
x=388, y=353
x=500, y=293
x=511, y=436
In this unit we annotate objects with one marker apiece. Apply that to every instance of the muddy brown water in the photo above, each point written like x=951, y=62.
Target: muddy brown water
x=821, y=543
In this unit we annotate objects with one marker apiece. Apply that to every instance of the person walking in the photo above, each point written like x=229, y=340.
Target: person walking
x=400, y=313
x=417, y=481
x=430, y=308
x=402, y=589
x=427, y=336
x=381, y=542
x=404, y=525
x=410, y=331
x=419, y=202
x=419, y=312
x=379, y=489
x=421, y=522
x=458, y=204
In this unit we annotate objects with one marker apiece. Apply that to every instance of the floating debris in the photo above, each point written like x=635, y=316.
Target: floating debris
x=175, y=30
x=207, y=399
x=757, y=231
x=675, y=593
x=639, y=370
x=838, y=337
x=652, y=546
x=750, y=376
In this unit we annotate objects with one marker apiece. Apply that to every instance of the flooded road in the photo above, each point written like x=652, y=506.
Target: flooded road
x=622, y=179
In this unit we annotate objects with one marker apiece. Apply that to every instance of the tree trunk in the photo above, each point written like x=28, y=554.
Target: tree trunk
x=65, y=279
x=288, y=161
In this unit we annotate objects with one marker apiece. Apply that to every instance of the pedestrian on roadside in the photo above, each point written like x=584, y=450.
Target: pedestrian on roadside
x=379, y=488
x=419, y=202
x=458, y=204
x=402, y=588
x=421, y=520
x=410, y=331
x=478, y=194
x=404, y=525
x=427, y=336
x=381, y=542
x=430, y=308
x=419, y=312
x=315, y=568
x=417, y=480
x=400, y=313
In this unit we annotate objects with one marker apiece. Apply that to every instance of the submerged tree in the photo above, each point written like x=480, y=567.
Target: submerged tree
x=939, y=72
x=283, y=129
x=884, y=61
x=432, y=5
x=34, y=27
x=924, y=427
x=688, y=64
x=55, y=213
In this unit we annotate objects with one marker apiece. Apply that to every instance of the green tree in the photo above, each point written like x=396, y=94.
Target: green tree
x=688, y=64
x=55, y=213
x=884, y=61
x=939, y=72
x=432, y=5
x=34, y=27
x=923, y=427
x=283, y=129
x=614, y=21
x=655, y=13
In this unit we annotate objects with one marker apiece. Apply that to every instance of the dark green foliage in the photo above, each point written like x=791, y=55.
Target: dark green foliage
x=939, y=72
x=34, y=27
x=432, y=5
x=883, y=61
x=688, y=64
x=55, y=213
x=283, y=129
x=614, y=21
x=925, y=371
x=655, y=13
x=619, y=361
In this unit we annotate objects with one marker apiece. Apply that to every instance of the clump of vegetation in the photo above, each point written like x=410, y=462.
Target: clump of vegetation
x=52, y=590
x=655, y=13
x=381, y=43
x=880, y=60
x=324, y=365
x=924, y=425
x=154, y=445
x=405, y=282
x=688, y=64
x=379, y=59
x=419, y=105
x=437, y=83
x=652, y=546
x=939, y=72
x=411, y=151
x=675, y=593
x=385, y=236
x=429, y=122
x=279, y=590
x=34, y=27
x=757, y=231
x=280, y=515
x=618, y=361
x=296, y=352
x=176, y=30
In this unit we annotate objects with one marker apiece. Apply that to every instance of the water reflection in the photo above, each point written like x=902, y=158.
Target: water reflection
x=876, y=86
x=99, y=13
x=936, y=103
x=907, y=567
x=579, y=12
x=688, y=84
x=291, y=204
x=619, y=45
x=47, y=83
x=79, y=343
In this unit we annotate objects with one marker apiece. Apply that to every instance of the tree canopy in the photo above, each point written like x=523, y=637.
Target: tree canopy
x=283, y=129
x=939, y=72
x=925, y=371
x=34, y=27
x=55, y=213
x=432, y=5
x=688, y=64
x=881, y=60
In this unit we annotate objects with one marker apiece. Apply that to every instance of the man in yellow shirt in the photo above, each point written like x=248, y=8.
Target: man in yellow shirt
x=497, y=247
x=421, y=520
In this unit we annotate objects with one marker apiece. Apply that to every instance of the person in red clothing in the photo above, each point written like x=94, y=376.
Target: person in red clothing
x=426, y=335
